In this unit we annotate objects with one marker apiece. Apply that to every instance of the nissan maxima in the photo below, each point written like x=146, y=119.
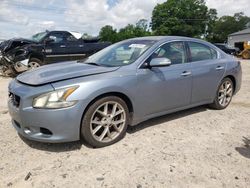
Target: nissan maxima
x=123, y=84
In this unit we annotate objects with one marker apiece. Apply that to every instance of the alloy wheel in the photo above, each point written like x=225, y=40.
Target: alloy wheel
x=33, y=65
x=108, y=121
x=225, y=93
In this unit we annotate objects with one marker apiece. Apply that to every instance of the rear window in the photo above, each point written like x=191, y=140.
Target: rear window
x=201, y=52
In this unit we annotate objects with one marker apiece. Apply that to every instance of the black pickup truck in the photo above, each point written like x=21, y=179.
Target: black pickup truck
x=19, y=55
x=227, y=49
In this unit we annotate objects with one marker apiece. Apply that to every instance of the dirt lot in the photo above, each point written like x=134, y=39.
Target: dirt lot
x=194, y=148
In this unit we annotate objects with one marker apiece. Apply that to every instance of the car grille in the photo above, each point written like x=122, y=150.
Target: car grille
x=15, y=99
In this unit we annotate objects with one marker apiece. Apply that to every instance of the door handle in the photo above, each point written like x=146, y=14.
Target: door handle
x=186, y=73
x=219, y=68
x=81, y=45
x=62, y=46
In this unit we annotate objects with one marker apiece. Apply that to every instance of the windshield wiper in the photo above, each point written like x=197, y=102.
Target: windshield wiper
x=92, y=63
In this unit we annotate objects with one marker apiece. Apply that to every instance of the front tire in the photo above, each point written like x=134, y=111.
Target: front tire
x=105, y=122
x=34, y=63
x=224, y=94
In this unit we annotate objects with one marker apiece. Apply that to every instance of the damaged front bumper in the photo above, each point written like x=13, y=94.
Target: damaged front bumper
x=19, y=66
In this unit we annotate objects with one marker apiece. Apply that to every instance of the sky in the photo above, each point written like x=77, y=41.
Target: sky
x=23, y=18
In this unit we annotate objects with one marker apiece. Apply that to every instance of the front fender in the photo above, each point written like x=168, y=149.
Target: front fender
x=92, y=87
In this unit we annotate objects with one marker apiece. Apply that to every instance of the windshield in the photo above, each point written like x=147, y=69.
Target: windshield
x=120, y=54
x=39, y=36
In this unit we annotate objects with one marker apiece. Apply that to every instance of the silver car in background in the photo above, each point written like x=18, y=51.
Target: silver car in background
x=124, y=84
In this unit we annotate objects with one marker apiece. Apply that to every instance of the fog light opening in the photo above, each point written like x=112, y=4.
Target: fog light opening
x=17, y=124
x=45, y=131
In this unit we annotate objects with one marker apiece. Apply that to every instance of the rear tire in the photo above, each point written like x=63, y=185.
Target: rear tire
x=105, y=122
x=34, y=63
x=224, y=94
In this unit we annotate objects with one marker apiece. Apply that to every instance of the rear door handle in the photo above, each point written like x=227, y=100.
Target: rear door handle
x=219, y=68
x=62, y=46
x=186, y=73
x=81, y=45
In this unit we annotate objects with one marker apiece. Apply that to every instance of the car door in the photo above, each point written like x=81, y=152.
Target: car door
x=74, y=48
x=165, y=88
x=55, y=48
x=207, y=70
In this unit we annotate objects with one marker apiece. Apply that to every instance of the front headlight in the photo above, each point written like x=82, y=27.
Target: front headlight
x=55, y=99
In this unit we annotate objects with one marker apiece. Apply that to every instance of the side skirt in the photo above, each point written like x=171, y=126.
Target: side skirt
x=136, y=121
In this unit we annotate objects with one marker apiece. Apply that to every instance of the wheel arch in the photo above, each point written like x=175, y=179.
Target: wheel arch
x=124, y=97
x=37, y=56
x=121, y=95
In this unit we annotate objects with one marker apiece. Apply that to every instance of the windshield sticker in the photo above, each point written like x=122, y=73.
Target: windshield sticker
x=137, y=45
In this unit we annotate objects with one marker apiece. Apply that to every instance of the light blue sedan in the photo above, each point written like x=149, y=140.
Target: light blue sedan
x=124, y=84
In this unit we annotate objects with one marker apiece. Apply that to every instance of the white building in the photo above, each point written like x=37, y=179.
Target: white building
x=238, y=37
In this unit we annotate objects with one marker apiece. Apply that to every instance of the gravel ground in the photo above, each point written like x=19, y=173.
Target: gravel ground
x=193, y=148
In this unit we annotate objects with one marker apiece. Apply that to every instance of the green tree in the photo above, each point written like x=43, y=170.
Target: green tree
x=140, y=29
x=143, y=24
x=126, y=32
x=86, y=36
x=131, y=31
x=182, y=17
x=108, y=33
x=227, y=25
x=248, y=25
x=212, y=18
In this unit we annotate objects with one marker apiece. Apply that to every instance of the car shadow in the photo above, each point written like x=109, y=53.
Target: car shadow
x=71, y=146
x=245, y=149
x=53, y=147
x=165, y=118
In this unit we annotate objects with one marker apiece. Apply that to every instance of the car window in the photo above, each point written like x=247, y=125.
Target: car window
x=57, y=37
x=200, y=52
x=174, y=51
x=70, y=38
x=39, y=36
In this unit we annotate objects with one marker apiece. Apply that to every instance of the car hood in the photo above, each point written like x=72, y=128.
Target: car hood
x=16, y=42
x=61, y=71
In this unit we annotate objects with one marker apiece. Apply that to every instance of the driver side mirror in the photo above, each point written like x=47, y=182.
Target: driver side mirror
x=160, y=62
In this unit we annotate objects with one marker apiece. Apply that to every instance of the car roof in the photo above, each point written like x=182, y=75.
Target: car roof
x=165, y=38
